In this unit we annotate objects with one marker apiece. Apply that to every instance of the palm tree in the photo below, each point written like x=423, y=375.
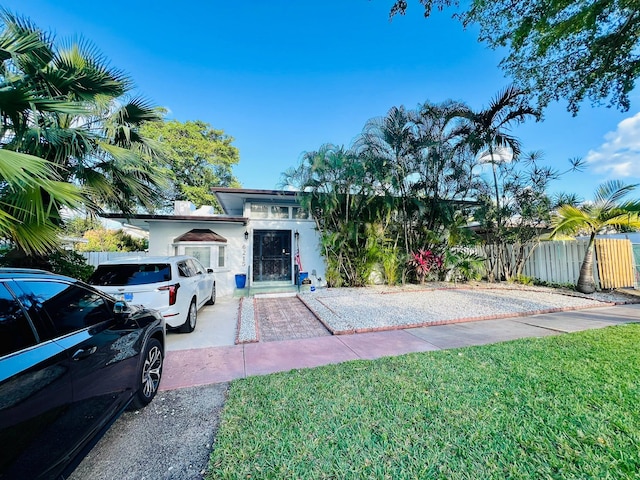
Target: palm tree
x=64, y=105
x=608, y=210
x=31, y=188
x=487, y=133
x=392, y=143
x=31, y=197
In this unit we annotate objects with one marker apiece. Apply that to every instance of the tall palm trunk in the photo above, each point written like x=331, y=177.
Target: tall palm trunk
x=586, y=282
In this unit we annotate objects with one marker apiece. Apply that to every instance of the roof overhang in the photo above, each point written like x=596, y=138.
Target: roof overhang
x=143, y=220
x=232, y=199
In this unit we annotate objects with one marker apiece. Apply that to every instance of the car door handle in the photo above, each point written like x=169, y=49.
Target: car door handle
x=84, y=353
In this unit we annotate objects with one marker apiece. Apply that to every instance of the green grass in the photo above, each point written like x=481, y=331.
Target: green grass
x=556, y=407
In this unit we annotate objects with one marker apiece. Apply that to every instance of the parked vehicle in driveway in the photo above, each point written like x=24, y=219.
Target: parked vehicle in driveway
x=176, y=286
x=71, y=360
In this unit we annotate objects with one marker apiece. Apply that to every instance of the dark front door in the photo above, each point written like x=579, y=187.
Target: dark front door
x=271, y=255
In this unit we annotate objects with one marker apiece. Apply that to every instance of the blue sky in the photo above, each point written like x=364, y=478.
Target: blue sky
x=285, y=77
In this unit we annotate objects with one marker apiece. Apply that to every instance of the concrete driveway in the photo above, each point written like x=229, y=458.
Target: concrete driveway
x=216, y=327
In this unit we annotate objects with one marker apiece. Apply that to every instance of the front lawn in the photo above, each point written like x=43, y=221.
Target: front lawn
x=556, y=407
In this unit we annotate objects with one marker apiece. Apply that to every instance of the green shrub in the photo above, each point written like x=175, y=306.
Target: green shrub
x=71, y=264
x=462, y=266
x=63, y=262
x=390, y=265
x=523, y=279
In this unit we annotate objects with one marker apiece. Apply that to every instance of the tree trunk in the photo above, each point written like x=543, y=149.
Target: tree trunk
x=586, y=282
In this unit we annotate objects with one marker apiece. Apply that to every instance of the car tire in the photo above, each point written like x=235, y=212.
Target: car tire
x=192, y=317
x=212, y=300
x=149, y=374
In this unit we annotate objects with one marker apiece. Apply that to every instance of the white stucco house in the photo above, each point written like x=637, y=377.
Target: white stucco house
x=263, y=234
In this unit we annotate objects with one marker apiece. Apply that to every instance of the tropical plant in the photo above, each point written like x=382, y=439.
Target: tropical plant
x=462, y=265
x=391, y=265
x=31, y=197
x=487, y=133
x=608, y=210
x=426, y=263
x=338, y=191
x=63, y=104
x=391, y=145
x=404, y=181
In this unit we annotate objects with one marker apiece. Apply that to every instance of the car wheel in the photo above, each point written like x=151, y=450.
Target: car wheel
x=212, y=300
x=149, y=374
x=192, y=317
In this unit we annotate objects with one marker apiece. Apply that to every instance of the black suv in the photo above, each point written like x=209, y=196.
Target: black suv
x=71, y=360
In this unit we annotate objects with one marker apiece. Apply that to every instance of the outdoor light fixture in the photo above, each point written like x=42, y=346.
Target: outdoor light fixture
x=246, y=235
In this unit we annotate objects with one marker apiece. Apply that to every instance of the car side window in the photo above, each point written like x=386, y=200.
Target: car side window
x=15, y=330
x=70, y=307
x=196, y=266
x=184, y=270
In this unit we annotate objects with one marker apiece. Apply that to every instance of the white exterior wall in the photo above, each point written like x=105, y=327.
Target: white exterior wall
x=238, y=250
x=162, y=234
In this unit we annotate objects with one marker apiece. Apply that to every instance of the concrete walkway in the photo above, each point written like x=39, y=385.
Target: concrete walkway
x=214, y=364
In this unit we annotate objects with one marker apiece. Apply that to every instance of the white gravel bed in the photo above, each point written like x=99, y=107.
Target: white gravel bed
x=349, y=309
x=247, y=330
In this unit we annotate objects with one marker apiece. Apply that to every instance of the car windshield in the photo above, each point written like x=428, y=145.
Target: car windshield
x=130, y=274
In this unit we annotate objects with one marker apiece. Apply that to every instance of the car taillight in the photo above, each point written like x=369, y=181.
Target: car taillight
x=173, y=292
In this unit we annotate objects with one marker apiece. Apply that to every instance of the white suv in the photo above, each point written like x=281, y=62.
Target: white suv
x=176, y=286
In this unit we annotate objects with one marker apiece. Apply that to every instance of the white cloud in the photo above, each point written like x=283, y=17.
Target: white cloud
x=619, y=156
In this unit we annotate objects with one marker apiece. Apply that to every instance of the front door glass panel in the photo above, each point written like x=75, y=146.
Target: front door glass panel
x=271, y=255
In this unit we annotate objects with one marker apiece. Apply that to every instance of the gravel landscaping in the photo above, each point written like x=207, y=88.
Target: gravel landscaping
x=349, y=310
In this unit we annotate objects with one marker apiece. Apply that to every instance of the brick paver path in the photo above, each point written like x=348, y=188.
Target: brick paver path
x=286, y=318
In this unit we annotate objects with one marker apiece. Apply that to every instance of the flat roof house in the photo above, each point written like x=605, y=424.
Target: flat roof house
x=263, y=234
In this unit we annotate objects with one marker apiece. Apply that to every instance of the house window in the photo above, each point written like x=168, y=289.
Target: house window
x=201, y=253
x=222, y=250
x=259, y=211
x=213, y=256
x=279, y=212
x=299, y=213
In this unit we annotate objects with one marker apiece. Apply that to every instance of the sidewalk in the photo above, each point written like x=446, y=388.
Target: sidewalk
x=203, y=366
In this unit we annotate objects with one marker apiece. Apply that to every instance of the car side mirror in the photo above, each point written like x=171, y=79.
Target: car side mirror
x=209, y=270
x=120, y=307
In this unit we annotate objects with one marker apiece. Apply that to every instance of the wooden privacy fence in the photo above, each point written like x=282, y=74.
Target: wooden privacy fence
x=615, y=260
x=560, y=262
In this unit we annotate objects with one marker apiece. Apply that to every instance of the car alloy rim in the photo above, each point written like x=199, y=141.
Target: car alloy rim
x=193, y=311
x=151, y=371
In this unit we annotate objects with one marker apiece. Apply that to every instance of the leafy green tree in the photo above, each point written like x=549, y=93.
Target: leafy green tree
x=78, y=225
x=574, y=50
x=608, y=210
x=197, y=158
x=106, y=240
